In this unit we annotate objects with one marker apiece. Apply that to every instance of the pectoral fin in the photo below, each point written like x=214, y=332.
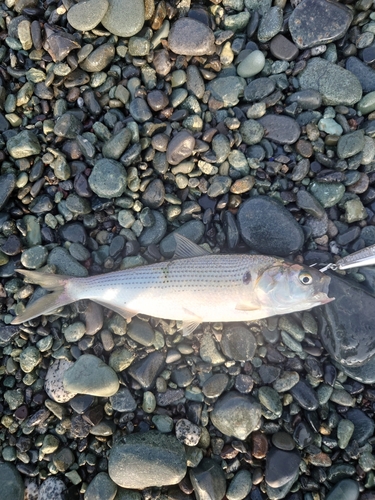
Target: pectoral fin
x=122, y=311
x=248, y=306
x=191, y=323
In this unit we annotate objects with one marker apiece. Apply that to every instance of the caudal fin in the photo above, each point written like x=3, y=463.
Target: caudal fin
x=48, y=303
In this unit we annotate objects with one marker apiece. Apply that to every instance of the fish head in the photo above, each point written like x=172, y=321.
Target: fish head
x=293, y=287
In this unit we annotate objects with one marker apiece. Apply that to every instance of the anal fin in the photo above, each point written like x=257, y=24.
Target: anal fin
x=191, y=323
x=122, y=311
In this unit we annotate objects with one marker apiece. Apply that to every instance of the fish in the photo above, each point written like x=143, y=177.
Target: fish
x=194, y=287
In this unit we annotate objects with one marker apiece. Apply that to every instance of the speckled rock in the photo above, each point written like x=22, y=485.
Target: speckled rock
x=191, y=38
x=336, y=84
x=108, y=178
x=87, y=14
x=53, y=383
x=147, y=459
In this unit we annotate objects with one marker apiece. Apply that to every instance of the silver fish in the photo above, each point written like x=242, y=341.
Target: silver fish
x=194, y=287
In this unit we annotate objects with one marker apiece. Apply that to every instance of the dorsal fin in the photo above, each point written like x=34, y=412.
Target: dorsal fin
x=186, y=248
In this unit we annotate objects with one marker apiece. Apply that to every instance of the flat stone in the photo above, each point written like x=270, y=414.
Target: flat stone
x=270, y=24
x=146, y=370
x=108, y=178
x=350, y=144
x=259, y=88
x=90, y=375
x=305, y=396
x=180, y=147
x=227, y=90
x=316, y=22
x=124, y=17
x=347, y=489
x=65, y=263
x=238, y=342
x=236, y=415
x=191, y=38
x=240, y=485
x=306, y=99
x=268, y=227
x=281, y=467
x=12, y=486
x=364, y=426
x=280, y=129
x=364, y=73
x=52, y=487
x=193, y=230
x=327, y=193
x=87, y=14
x=123, y=401
x=208, y=480
x=23, y=144
x=337, y=85
x=101, y=487
x=283, y=49
x=147, y=459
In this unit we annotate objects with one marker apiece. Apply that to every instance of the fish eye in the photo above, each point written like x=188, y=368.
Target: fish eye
x=305, y=278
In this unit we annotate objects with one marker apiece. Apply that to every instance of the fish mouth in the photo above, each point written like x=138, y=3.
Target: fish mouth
x=322, y=295
x=323, y=298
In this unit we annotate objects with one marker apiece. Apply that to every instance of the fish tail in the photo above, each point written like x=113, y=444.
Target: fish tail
x=60, y=296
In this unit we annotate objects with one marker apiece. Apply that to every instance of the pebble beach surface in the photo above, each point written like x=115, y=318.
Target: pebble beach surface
x=244, y=125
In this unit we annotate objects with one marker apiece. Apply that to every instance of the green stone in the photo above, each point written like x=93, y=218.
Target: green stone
x=328, y=194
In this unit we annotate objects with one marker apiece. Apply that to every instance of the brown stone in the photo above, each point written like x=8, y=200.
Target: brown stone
x=283, y=49
x=259, y=445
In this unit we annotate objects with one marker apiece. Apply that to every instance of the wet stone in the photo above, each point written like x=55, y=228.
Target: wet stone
x=187, y=432
x=65, y=263
x=306, y=99
x=281, y=467
x=283, y=49
x=140, y=110
x=315, y=22
x=101, y=487
x=7, y=184
x=363, y=72
x=310, y=204
x=267, y=227
x=240, y=485
x=305, y=396
x=283, y=441
x=280, y=129
x=147, y=459
x=153, y=195
x=12, y=485
x=347, y=489
x=191, y=38
x=236, y=415
x=350, y=144
x=337, y=85
x=147, y=369
x=117, y=144
x=328, y=194
x=123, y=401
x=141, y=332
x=215, y=385
x=252, y=64
x=259, y=88
x=68, y=126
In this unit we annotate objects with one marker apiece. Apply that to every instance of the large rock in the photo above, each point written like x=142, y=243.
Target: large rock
x=124, y=17
x=191, y=38
x=12, y=487
x=268, y=227
x=337, y=85
x=315, y=22
x=147, y=459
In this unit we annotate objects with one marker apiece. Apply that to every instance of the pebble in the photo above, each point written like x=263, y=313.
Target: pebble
x=7, y=185
x=52, y=487
x=280, y=129
x=240, y=485
x=283, y=49
x=281, y=467
x=124, y=17
x=270, y=24
x=208, y=480
x=267, y=227
x=252, y=64
x=187, y=432
x=12, y=486
x=147, y=459
x=191, y=38
x=226, y=90
x=141, y=332
x=316, y=22
x=347, y=489
x=99, y=58
x=86, y=15
x=101, y=487
x=108, y=178
x=90, y=375
x=305, y=396
x=238, y=343
x=246, y=409
x=23, y=144
x=147, y=369
x=123, y=401
x=337, y=85
x=53, y=383
x=180, y=147
x=215, y=385
x=350, y=144
x=363, y=72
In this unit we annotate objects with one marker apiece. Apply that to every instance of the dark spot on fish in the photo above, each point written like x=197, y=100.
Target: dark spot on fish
x=246, y=278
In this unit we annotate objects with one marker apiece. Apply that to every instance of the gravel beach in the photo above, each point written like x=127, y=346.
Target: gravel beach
x=245, y=126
